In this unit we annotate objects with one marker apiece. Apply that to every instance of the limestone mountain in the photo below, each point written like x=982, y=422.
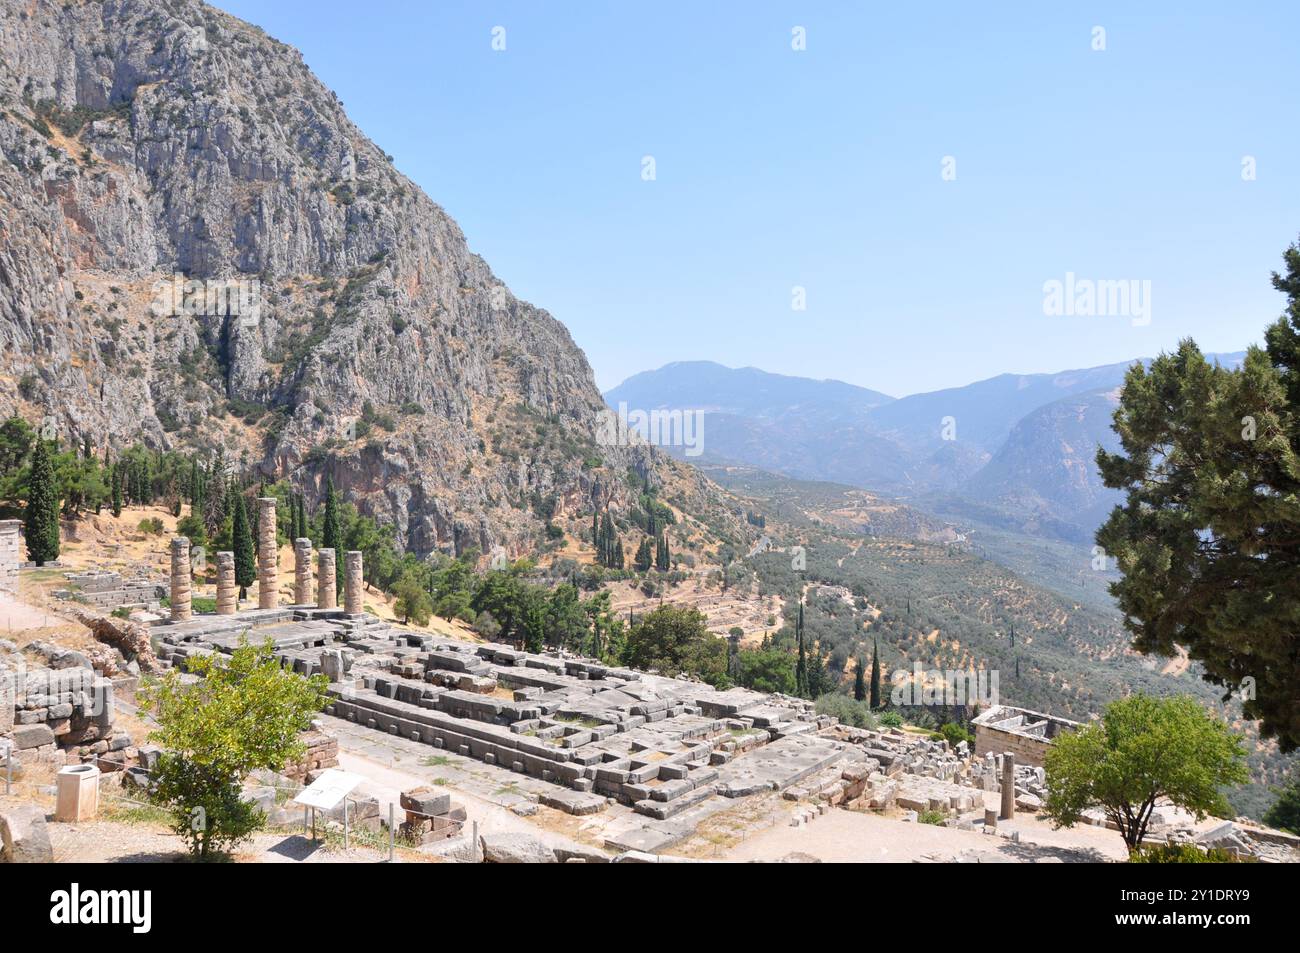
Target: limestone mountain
x=151, y=147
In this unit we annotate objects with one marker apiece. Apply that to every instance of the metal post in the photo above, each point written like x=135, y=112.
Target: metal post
x=305, y=809
x=473, y=848
x=392, y=834
x=345, y=823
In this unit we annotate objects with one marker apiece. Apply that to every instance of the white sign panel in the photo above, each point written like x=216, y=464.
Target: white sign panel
x=328, y=790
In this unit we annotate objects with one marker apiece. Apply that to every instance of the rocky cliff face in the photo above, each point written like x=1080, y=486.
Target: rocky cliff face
x=147, y=144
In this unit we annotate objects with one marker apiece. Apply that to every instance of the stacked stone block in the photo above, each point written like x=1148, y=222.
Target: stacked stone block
x=267, y=555
x=302, y=571
x=327, y=594
x=180, y=580
x=227, y=588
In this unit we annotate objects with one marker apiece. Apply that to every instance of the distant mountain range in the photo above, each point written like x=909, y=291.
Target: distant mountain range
x=1016, y=450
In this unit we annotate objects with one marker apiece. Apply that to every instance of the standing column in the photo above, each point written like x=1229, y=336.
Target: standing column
x=268, y=555
x=227, y=590
x=327, y=592
x=180, y=588
x=352, y=583
x=302, y=571
x=1008, y=786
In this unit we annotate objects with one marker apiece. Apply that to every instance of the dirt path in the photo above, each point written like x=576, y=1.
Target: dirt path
x=841, y=836
x=385, y=783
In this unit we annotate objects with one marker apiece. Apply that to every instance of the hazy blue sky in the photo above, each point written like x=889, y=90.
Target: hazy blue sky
x=822, y=169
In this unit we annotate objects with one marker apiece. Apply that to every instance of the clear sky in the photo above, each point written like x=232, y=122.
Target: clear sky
x=822, y=169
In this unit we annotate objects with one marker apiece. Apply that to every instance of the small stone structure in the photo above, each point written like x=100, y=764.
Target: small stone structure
x=327, y=594
x=105, y=589
x=180, y=580
x=352, y=583
x=227, y=587
x=268, y=555
x=302, y=571
x=1026, y=734
x=9, y=555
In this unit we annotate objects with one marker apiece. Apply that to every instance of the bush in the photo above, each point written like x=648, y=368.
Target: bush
x=954, y=734
x=151, y=525
x=932, y=817
x=1179, y=854
x=890, y=719
x=849, y=712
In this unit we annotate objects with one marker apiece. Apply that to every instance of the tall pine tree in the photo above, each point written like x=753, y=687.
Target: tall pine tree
x=242, y=540
x=331, y=533
x=41, y=519
x=860, y=681
x=875, y=675
x=801, y=664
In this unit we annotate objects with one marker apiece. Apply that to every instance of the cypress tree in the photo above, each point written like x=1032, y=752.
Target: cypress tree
x=332, y=534
x=642, y=561
x=116, y=480
x=242, y=540
x=801, y=665
x=860, y=681
x=875, y=675
x=41, y=519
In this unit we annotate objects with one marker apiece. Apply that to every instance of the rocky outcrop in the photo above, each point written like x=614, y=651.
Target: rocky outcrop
x=130, y=638
x=163, y=164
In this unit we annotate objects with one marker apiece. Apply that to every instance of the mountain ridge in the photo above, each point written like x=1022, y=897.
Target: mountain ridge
x=992, y=446
x=148, y=143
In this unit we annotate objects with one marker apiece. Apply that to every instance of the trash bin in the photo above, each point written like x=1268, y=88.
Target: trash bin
x=78, y=793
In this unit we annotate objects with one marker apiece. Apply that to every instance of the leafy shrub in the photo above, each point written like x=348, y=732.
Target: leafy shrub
x=849, y=712
x=1179, y=854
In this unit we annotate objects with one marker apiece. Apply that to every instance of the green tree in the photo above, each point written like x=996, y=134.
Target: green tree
x=41, y=517
x=675, y=640
x=766, y=670
x=244, y=714
x=801, y=666
x=567, y=623
x=331, y=532
x=1207, y=536
x=641, y=562
x=16, y=439
x=1285, y=812
x=413, y=601
x=859, y=681
x=875, y=675
x=1143, y=750
x=116, y=480
x=242, y=540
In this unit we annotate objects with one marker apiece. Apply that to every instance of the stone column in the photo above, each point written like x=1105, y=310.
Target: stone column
x=1008, y=786
x=180, y=588
x=302, y=571
x=352, y=583
x=227, y=589
x=327, y=593
x=268, y=555
x=9, y=555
